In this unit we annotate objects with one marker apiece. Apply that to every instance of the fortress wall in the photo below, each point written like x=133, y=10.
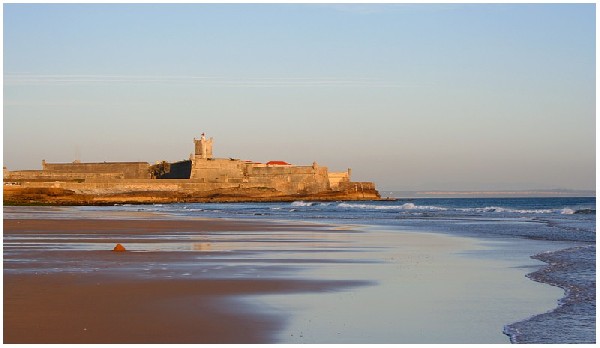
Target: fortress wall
x=304, y=184
x=280, y=170
x=22, y=174
x=134, y=185
x=151, y=190
x=285, y=170
x=217, y=170
x=287, y=179
x=120, y=186
x=335, y=179
x=130, y=170
x=42, y=175
x=291, y=179
x=357, y=186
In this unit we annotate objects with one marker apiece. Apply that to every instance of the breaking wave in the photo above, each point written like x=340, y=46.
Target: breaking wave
x=405, y=206
x=506, y=210
x=413, y=207
x=308, y=204
x=491, y=209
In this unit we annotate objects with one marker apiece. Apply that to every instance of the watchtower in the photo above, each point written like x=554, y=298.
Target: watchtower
x=203, y=147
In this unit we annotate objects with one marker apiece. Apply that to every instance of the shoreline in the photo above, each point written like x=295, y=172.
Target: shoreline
x=238, y=273
x=575, y=293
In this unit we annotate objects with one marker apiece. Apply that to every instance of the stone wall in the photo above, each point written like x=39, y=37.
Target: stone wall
x=283, y=178
x=130, y=170
x=217, y=170
x=291, y=179
x=153, y=185
x=335, y=179
x=356, y=186
x=44, y=175
x=132, y=185
x=205, y=174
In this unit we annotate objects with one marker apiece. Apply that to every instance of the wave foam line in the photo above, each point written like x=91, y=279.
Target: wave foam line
x=405, y=206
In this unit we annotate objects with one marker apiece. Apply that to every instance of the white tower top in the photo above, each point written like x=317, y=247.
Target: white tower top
x=203, y=147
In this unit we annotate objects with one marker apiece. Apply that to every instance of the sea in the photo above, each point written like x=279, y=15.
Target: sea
x=564, y=228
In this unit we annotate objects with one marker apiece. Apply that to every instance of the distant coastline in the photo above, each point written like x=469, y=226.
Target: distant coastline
x=487, y=193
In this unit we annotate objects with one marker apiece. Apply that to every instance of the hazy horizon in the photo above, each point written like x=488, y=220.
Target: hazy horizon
x=449, y=97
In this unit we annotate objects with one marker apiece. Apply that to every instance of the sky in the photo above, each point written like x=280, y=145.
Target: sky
x=412, y=97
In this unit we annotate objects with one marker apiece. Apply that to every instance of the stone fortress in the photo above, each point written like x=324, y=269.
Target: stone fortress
x=202, y=178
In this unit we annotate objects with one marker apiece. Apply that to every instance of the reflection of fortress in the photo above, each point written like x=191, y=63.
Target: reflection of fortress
x=198, y=178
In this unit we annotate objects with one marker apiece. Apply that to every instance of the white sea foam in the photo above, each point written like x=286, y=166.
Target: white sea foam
x=301, y=204
x=506, y=210
x=405, y=206
x=308, y=204
x=530, y=211
x=413, y=207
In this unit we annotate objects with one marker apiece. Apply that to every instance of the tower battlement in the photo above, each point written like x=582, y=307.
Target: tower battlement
x=203, y=147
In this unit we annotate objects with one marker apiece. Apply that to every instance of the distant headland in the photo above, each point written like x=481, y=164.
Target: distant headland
x=202, y=178
x=491, y=194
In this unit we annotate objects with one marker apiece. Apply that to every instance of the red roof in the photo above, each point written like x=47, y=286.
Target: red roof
x=278, y=163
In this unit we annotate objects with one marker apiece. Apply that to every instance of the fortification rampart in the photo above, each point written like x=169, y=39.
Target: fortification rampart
x=130, y=170
x=137, y=185
x=285, y=178
x=110, y=187
x=357, y=186
x=44, y=175
x=337, y=179
x=217, y=170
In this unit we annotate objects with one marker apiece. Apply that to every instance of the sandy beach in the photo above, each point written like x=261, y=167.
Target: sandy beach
x=100, y=296
x=225, y=281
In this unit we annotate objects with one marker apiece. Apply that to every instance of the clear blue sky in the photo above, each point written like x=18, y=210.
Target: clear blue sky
x=413, y=97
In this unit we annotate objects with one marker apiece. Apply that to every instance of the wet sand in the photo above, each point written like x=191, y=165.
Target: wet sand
x=81, y=308
x=221, y=281
x=58, y=289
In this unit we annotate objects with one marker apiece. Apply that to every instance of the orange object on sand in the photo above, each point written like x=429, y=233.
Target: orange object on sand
x=119, y=247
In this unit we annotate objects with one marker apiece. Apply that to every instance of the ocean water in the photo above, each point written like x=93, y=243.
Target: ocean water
x=568, y=225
